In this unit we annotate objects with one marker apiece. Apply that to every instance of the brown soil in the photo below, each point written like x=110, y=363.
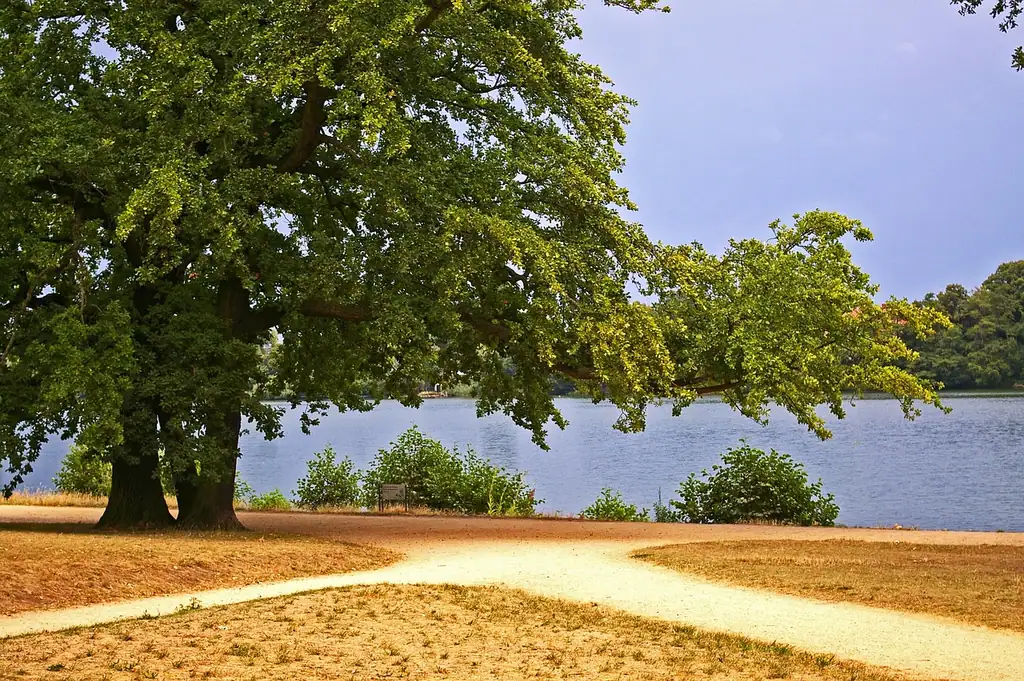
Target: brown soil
x=417, y=632
x=400, y=531
x=978, y=584
x=59, y=566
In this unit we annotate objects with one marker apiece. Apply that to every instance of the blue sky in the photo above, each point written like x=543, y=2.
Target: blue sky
x=902, y=114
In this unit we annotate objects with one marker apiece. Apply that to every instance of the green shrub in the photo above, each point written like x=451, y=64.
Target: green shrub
x=243, y=490
x=271, y=501
x=610, y=506
x=664, y=513
x=327, y=483
x=83, y=472
x=751, y=485
x=487, y=488
x=412, y=459
x=447, y=480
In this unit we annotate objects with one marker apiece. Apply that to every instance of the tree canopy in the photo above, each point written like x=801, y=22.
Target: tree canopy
x=401, y=191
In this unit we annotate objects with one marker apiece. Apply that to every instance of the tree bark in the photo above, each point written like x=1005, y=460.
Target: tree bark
x=136, y=494
x=208, y=505
x=136, y=500
x=208, y=502
x=136, y=497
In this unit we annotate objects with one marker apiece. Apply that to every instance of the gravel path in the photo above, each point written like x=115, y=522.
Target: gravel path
x=588, y=562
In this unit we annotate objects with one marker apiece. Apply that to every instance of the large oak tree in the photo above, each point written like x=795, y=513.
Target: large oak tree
x=403, y=191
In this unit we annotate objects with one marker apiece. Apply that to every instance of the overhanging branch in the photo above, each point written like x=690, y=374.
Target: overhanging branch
x=589, y=374
x=270, y=316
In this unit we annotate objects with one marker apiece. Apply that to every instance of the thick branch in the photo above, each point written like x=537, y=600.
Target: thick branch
x=323, y=308
x=14, y=330
x=477, y=88
x=437, y=8
x=588, y=374
x=272, y=315
x=79, y=201
x=47, y=299
x=269, y=316
x=313, y=119
x=713, y=389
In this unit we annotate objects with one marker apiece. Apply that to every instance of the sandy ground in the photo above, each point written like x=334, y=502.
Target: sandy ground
x=588, y=562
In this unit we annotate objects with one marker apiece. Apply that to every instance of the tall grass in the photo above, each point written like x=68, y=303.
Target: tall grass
x=46, y=498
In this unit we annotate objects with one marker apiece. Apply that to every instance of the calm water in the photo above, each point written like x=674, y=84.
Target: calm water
x=964, y=470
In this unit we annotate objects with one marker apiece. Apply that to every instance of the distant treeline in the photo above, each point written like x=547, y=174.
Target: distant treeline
x=985, y=346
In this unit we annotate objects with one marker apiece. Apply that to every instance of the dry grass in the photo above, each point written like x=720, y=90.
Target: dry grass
x=63, y=499
x=436, y=632
x=977, y=584
x=55, y=566
x=59, y=499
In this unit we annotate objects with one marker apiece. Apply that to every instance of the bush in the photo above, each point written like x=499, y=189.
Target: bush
x=665, y=514
x=327, y=483
x=751, y=485
x=610, y=506
x=447, y=480
x=271, y=501
x=487, y=488
x=418, y=462
x=83, y=472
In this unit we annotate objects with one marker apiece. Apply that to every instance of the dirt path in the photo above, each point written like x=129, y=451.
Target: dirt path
x=588, y=562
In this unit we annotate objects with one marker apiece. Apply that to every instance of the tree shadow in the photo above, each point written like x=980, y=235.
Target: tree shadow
x=80, y=529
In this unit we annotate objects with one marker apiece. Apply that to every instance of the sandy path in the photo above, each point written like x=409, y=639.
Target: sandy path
x=588, y=562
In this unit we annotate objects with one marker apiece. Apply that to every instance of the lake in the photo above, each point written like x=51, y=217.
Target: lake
x=964, y=470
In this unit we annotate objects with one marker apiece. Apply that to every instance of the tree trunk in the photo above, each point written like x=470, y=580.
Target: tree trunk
x=208, y=501
x=207, y=505
x=136, y=496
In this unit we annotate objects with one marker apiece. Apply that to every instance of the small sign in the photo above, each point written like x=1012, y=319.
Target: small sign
x=392, y=493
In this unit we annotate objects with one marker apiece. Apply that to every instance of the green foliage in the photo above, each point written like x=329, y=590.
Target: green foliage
x=790, y=321
x=985, y=346
x=449, y=480
x=270, y=501
x=610, y=506
x=754, y=486
x=664, y=513
x=417, y=461
x=83, y=472
x=327, y=483
x=487, y=488
x=1007, y=12
x=243, y=490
